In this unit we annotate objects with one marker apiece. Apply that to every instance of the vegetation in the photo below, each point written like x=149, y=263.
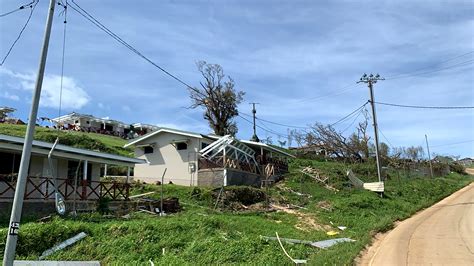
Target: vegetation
x=201, y=235
x=218, y=98
x=89, y=141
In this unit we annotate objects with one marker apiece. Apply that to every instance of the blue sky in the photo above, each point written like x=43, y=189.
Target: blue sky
x=284, y=54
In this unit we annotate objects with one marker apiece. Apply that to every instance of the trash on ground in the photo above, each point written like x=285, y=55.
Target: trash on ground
x=63, y=245
x=342, y=228
x=319, y=244
x=372, y=186
x=332, y=233
x=296, y=261
x=318, y=176
x=141, y=195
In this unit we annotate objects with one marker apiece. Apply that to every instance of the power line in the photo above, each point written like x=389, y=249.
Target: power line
x=353, y=121
x=425, y=107
x=350, y=114
x=451, y=144
x=101, y=26
x=19, y=8
x=412, y=73
x=339, y=92
x=464, y=63
x=275, y=123
x=32, y=6
x=264, y=129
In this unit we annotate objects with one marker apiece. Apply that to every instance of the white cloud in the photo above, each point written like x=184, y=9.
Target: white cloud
x=9, y=96
x=73, y=96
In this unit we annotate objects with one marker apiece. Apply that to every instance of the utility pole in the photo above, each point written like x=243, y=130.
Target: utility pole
x=254, y=112
x=370, y=80
x=14, y=226
x=429, y=156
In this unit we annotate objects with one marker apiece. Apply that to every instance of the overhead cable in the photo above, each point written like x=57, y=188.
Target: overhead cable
x=425, y=107
x=32, y=6
x=101, y=26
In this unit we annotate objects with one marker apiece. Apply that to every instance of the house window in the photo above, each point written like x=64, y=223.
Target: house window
x=204, y=145
x=181, y=146
x=10, y=163
x=148, y=149
x=72, y=168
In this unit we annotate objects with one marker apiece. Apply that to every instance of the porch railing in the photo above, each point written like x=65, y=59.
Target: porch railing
x=42, y=188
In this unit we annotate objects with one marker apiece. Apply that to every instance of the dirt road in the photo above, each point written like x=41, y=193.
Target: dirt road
x=440, y=235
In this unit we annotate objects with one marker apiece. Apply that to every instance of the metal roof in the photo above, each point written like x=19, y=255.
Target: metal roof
x=164, y=129
x=71, y=150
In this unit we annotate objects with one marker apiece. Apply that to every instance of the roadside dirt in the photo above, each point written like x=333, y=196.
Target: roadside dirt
x=306, y=221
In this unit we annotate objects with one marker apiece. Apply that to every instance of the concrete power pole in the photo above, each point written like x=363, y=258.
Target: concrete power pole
x=254, y=112
x=14, y=227
x=370, y=80
x=429, y=156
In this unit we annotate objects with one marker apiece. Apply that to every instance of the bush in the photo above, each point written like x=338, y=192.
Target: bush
x=242, y=194
x=457, y=168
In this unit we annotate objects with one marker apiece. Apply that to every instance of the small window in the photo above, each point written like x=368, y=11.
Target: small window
x=87, y=122
x=181, y=146
x=204, y=145
x=77, y=121
x=148, y=149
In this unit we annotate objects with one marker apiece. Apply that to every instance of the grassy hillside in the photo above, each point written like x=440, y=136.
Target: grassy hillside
x=90, y=141
x=200, y=235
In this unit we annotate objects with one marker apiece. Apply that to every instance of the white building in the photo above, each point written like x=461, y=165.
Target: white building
x=178, y=151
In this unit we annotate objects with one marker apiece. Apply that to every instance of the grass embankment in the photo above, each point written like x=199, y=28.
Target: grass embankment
x=89, y=141
x=200, y=235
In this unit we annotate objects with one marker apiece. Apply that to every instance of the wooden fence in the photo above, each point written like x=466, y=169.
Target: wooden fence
x=42, y=188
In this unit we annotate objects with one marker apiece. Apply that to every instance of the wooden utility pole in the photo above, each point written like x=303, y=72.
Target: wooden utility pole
x=429, y=156
x=370, y=80
x=14, y=226
x=254, y=112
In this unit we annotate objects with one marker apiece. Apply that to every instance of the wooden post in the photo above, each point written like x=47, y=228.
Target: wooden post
x=84, y=181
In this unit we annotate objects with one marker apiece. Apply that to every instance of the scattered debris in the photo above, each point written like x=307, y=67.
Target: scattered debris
x=318, y=244
x=170, y=205
x=342, y=228
x=332, y=233
x=149, y=212
x=296, y=261
x=141, y=195
x=306, y=221
x=63, y=245
x=126, y=216
x=151, y=263
x=317, y=175
x=45, y=219
x=372, y=186
x=325, y=205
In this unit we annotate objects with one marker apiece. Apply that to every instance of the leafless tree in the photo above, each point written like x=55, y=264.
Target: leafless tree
x=218, y=98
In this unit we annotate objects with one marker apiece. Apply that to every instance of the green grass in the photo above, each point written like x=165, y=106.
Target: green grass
x=90, y=141
x=198, y=235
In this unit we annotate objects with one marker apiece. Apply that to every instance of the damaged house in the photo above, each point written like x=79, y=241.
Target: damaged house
x=194, y=159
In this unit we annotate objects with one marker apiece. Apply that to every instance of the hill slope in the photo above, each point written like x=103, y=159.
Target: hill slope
x=89, y=141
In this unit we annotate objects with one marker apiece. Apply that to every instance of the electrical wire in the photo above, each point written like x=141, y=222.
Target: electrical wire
x=353, y=121
x=32, y=7
x=62, y=58
x=349, y=115
x=264, y=129
x=425, y=107
x=18, y=9
x=275, y=123
x=423, y=68
x=343, y=90
x=451, y=144
x=464, y=63
x=101, y=26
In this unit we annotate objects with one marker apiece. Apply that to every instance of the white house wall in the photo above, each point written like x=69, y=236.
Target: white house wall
x=165, y=155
